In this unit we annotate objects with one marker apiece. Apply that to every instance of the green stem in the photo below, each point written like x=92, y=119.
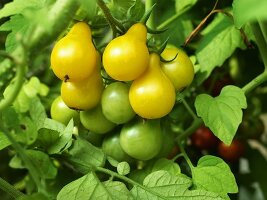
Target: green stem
x=8, y=188
x=150, y=22
x=255, y=82
x=187, y=159
x=196, y=124
x=126, y=179
x=261, y=43
x=167, y=22
x=19, y=79
x=263, y=26
x=191, y=112
x=34, y=172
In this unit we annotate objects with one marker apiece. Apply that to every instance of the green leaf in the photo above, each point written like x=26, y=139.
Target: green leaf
x=40, y=160
x=18, y=25
x=163, y=185
x=222, y=114
x=4, y=141
x=249, y=10
x=123, y=168
x=37, y=112
x=89, y=187
x=18, y=6
x=64, y=140
x=83, y=155
x=136, y=11
x=214, y=175
x=220, y=40
x=181, y=5
x=34, y=196
x=88, y=9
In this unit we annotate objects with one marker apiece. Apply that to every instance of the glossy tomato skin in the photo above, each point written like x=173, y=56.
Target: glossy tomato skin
x=111, y=146
x=152, y=95
x=84, y=94
x=181, y=70
x=126, y=57
x=115, y=103
x=141, y=139
x=74, y=56
x=233, y=152
x=62, y=113
x=204, y=139
x=95, y=121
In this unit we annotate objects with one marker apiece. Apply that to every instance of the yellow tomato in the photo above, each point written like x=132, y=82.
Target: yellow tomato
x=126, y=57
x=74, y=56
x=181, y=70
x=152, y=95
x=85, y=94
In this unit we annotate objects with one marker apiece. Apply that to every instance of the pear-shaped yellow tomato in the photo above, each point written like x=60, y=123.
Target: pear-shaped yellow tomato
x=181, y=70
x=84, y=94
x=126, y=57
x=152, y=95
x=74, y=56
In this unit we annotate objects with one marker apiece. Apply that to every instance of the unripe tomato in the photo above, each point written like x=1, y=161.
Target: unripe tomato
x=115, y=103
x=181, y=70
x=233, y=152
x=141, y=139
x=95, y=121
x=126, y=57
x=152, y=95
x=111, y=146
x=62, y=113
x=74, y=56
x=204, y=139
x=85, y=94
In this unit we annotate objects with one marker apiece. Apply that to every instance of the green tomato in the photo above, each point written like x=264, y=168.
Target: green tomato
x=115, y=103
x=94, y=138
x=62, y=113
x=111, y=146
x=141, y=139
x=95, y=121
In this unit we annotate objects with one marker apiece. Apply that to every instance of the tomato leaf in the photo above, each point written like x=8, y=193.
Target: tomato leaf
x=88, y=9
x=18, y=6
x=222, y=114
x=40, y=160
x=83, y=155
x=89, y=187
x=4, y=141
x=246, y=11
x=220, y=40
x=163, y=185
x=123, y=168
x=136, y=11
x=214, y=175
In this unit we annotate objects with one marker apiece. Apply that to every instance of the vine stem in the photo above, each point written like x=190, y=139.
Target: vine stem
x=150, y=22
x=255, y=82
x=111, y=20
x=261, y=42
x=10, y=189
x=187, y=159
x=196, y=124
x=126, y=179
x=191, y=112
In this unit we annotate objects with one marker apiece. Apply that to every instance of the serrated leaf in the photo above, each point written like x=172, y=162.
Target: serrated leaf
x=4, y=141
x=83, y=155
x=18, y=6
x=180, y=5
x=222, y=114
x=249, y=10
x=220, y=40
x=37, y=112
x=213, y=174
x=89, y=187
x=64, y=140
x=163, y=185
x=18, y=25
x=40, y=160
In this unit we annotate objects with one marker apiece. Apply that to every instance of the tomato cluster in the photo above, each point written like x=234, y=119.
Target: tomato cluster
x=142, y=89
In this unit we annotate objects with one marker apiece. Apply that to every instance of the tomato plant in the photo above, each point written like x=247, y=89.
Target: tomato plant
x=164, y=96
